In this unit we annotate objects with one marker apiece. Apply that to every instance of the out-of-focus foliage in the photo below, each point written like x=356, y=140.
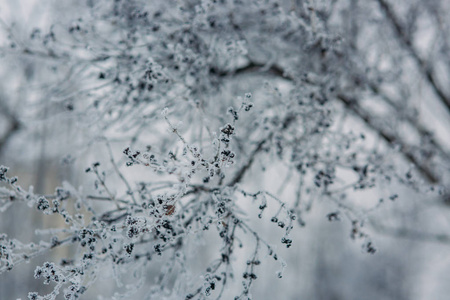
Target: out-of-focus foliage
x=199, y=117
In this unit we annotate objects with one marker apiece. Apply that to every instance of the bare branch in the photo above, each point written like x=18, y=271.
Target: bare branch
x=406, y=42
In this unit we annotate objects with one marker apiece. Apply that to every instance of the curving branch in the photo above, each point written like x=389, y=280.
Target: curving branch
x=407, y=43
x=351, y=104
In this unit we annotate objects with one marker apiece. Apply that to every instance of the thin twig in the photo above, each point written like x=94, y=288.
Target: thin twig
x=129, y=190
